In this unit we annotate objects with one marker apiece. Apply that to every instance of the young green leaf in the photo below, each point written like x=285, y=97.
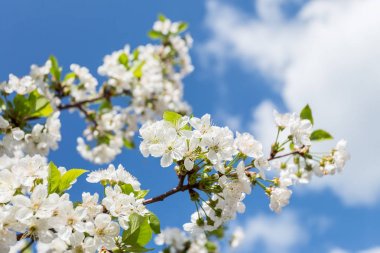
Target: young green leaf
x=161, y=17
x=130, y=236
x=141, y=194
x=105, y=105
x=54, y=177
x=123, y=60
x=182, y=27
x=320, y=135
x=126, y=188
x=155, y=35
x=22, y=105
x=128, y=143
x=55, y=70
x=40, y=105
x=139, y=232
x=171, y=117
x=307, y=114
x=145, y=232
x=137, y=69
x=68, y=76
x=154, y=223
x=68, y=178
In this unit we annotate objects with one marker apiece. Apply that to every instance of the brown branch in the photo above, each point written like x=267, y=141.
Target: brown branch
x=180, y=187
x=163, y=196
x=285, y=155
x=80, y=103
x=87, y=115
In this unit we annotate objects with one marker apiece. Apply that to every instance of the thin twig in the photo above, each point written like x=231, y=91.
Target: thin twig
x=169, y=193
x=80, y=103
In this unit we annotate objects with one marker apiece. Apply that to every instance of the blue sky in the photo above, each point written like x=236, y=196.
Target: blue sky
x=249, y=57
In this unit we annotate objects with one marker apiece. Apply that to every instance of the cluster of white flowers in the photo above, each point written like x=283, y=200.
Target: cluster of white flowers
x=44, y=137
x=113, y=129
x=28, y=210
x=85, y=88
x=223, y=206
x=40, y=140
x=175, y=141
x=152, y=75
x=197, y=146
x=178, y=241
x=215, y=166
x=302, y=167
x=194, y=140
x=21, y=86
x=300, y=129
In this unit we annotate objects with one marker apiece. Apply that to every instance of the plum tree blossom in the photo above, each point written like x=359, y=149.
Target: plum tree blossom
x=215, y=167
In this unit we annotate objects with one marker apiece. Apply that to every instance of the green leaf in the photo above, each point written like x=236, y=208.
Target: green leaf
x=129, y=144
x=22, y=105
x=145, y=232
x=68, y=178
x=154, y=223
x=155, y=35
x=172, y=117
x=320, y=135
x=161, y=17
x=141, y=194
x=1, y=103
x=210, y=246
x=137, y=69
x=105, y=105
x=68, y=76
x=123, y=59
x=135, y=54
x=135, y=222
x=126, y=188
x=55, y=70
x=40, y=105
x=182, y=27
x=139, y=232
x=307, y=114
x=54, y=177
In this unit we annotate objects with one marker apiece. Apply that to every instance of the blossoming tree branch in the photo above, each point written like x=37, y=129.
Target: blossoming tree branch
x=142, y=95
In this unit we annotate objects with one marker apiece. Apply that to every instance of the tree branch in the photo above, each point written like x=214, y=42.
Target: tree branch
x=179, y=188
x=285, y=155
x=80, y=103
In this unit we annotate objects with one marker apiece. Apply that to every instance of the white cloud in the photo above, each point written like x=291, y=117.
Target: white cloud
x=234, y=122
x=328, y=56
x=370, y=250
x=269, y=233
x=338, y=250
x=262, y=125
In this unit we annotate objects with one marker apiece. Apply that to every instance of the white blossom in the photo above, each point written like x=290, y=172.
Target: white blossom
x=247, y=145
x=279, y=197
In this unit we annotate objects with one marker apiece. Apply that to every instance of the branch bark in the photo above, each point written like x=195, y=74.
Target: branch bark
x=179, y=188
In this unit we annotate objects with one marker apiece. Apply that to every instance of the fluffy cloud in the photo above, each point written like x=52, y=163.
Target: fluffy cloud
x=269, y=233
x=370, y=250
x=326, y=55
